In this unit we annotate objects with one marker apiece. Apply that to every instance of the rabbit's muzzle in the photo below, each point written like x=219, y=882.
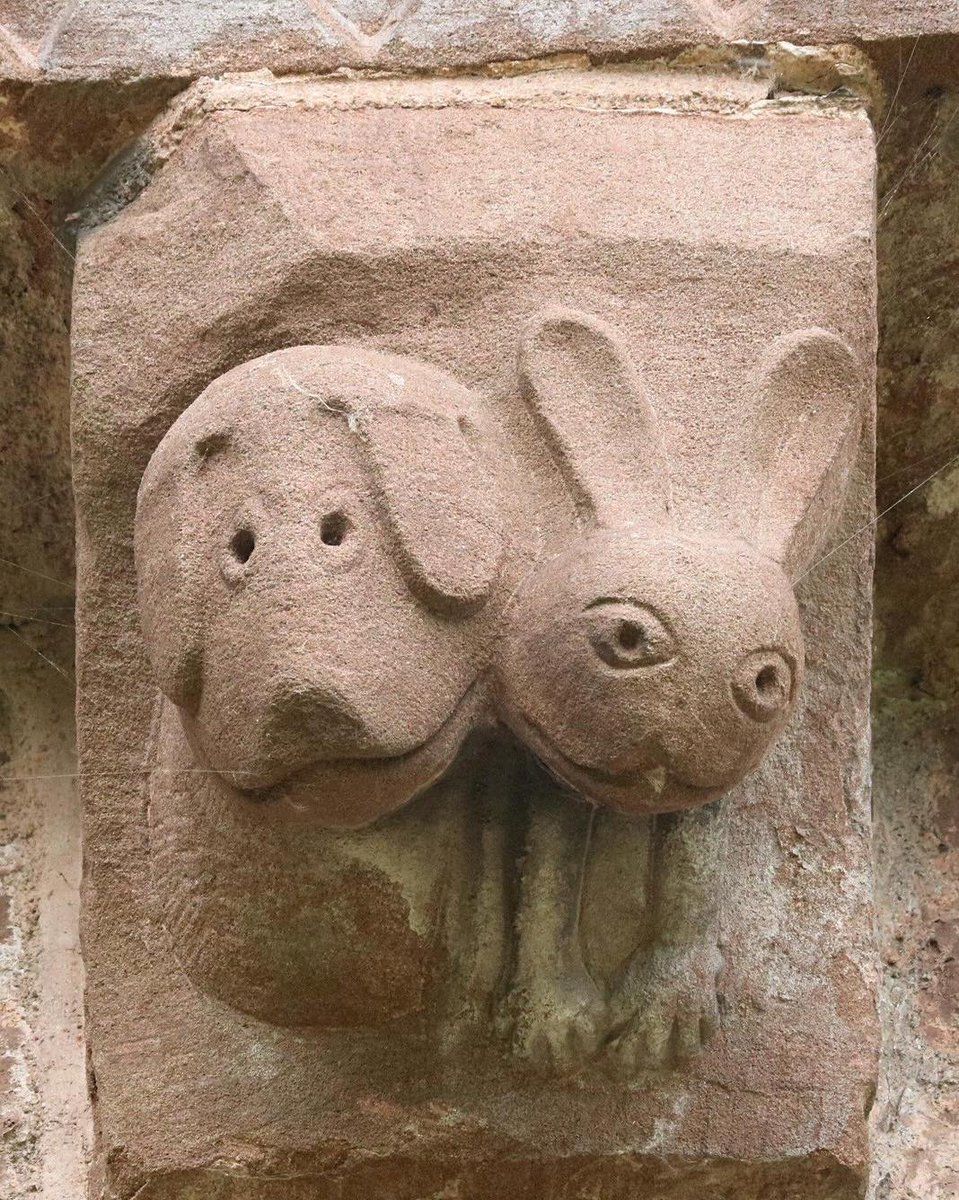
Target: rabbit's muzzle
x=652, y=673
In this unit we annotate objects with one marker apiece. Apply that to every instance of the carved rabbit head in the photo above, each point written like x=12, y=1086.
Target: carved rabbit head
x=651, y=666
x=317, y=543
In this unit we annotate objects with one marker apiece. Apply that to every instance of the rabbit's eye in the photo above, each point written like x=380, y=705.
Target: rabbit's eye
x=627, y=635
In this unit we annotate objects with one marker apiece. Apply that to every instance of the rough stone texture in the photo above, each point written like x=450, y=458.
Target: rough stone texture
x=916, y=781
x=232, y=252
x=914, y=784
x=102, y=38
x=43, y=1117
x=35, y=500
x=51, y=147
x=45, y=1132
x=50, y=150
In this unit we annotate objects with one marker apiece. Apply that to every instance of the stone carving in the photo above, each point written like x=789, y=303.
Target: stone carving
x=319, y=550
x=334, y=594
x=650, y=665
x=314, y=538
x=344, y=934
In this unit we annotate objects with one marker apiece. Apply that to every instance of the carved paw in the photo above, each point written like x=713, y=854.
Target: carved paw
x=556, y=1025
x=665, y=1008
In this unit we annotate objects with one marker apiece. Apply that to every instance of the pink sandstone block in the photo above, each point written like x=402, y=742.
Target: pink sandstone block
x=330, y=988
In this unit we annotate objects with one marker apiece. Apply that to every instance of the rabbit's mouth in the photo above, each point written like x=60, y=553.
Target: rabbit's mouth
x=651, y=790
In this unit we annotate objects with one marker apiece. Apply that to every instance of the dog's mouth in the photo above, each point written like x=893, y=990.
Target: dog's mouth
x=352, y=791
x=651, y=790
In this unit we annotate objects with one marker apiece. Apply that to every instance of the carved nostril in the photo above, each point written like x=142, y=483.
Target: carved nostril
x=242, y=545
x=763, y=687
x=333, y=529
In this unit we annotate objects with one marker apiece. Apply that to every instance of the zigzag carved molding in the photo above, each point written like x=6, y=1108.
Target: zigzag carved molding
x=369, y=44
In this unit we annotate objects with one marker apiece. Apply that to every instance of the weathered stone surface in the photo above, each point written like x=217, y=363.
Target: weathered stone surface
x=35, y=500
x=436, y=234
x=100, y=38
x=914, y=786
x=916, y=686
x=45, y=1129
x=51, y=148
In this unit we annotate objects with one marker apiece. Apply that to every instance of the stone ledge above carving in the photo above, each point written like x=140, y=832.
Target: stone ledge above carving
x=99, y=39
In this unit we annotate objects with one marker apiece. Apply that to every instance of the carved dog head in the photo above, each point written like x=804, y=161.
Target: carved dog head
x=317, y=544
x=651, y=666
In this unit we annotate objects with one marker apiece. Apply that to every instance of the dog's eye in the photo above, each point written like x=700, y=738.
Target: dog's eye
x=627, y=635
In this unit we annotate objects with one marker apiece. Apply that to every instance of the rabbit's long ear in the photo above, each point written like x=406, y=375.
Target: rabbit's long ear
x=808, y=425
x=170, y=608
x=439, y=499
x=592, y=408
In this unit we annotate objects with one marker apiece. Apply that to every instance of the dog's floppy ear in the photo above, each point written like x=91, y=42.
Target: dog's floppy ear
x=438, y=495
x=593, y=410
x=171, y=613
x=809, y=417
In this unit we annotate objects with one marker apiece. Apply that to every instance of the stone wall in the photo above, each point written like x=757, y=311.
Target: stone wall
x=80, y=87
x=915, y=793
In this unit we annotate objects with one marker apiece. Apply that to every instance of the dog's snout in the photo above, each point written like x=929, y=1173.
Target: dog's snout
x=764, y=684
x=317, y=718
